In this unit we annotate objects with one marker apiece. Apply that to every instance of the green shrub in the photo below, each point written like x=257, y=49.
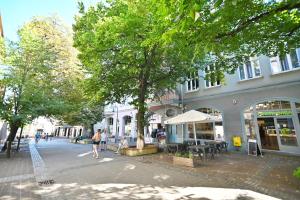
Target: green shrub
x=297, y=173
x=184, y=154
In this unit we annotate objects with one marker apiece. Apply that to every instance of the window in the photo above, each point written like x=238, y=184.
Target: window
x=192, y=82
x=250, y=69
x=127, y=123
x=295, y=58
x=249, y=123
x=110, y=121
x=211, y=78
x=298, y=110
x=204, y=131
x=286, y=63
x=287, y=131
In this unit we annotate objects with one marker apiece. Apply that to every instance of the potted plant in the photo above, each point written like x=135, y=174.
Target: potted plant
x=185, y=159
x=297, y=173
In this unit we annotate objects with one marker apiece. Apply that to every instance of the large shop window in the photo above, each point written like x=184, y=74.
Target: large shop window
x=219, y=130
x=287, y=131
x=192, y=82
x=205, y=131
x=286, y=63
x=190, y=131
x=275, y=123
x=250, y=69
x=211, y=77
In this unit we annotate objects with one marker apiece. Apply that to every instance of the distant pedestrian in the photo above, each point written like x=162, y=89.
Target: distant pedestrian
x=37, y=137
x=103, y=140
x=96, y=141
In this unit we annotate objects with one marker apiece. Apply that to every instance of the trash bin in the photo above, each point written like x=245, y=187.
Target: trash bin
x=237, y=141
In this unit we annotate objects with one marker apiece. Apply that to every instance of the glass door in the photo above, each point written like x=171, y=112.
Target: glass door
x=267, y=133
x=286, y=131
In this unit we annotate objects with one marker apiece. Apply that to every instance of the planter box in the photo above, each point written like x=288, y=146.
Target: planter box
x=187, y=162
x=72, y=140
x=148, y=149
x=112, y=147
x=85, y=141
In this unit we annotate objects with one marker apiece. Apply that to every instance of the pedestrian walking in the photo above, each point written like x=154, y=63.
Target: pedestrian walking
x=96, y=141
x=37, y=137
x=103, y=140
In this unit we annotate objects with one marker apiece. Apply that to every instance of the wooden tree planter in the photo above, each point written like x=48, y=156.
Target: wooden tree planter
x=133, y=151
x=187, y=162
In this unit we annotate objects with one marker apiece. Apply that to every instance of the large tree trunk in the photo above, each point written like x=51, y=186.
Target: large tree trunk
x=143, y=89
x=140, y=143
x=19, y=140
x=92, y=129
x=12, y=134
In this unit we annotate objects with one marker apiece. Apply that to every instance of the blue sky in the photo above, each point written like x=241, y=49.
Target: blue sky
x=16, y=12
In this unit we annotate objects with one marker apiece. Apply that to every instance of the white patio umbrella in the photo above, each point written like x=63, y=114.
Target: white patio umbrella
x=192, y=116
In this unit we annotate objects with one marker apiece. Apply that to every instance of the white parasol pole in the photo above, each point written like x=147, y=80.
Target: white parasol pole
x=194, y=127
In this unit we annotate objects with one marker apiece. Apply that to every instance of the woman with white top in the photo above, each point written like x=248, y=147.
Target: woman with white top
x=103, y=140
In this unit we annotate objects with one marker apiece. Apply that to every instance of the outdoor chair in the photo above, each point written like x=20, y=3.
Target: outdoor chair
x=211, y=151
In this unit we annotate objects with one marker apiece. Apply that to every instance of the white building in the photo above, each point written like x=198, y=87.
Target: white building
x=119, y=120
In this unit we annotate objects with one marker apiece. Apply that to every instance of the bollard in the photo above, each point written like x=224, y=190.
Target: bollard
x=8, y=149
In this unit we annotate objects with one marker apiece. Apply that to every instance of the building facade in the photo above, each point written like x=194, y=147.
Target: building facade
x=119, y=121
x=3, y=125
x=69, y=131
x=261, y=100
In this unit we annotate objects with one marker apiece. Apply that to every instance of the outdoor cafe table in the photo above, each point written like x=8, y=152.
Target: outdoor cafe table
x=218, y=145
x=172, y=147
x=200, y=147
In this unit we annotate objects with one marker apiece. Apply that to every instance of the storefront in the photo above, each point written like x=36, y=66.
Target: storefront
x=274, y=124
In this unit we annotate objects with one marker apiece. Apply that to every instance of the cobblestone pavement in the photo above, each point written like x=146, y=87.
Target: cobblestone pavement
x=79, y=176
x=16, y=177
x=270, y=174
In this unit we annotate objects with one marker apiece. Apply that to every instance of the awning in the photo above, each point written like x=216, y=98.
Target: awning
x=192, y=116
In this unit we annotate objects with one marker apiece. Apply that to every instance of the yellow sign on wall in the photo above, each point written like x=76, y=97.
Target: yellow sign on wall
x=237, y=141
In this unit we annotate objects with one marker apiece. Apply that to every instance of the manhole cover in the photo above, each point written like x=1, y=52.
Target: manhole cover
x=46, y=182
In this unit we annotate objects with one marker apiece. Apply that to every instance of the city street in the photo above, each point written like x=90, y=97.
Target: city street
x=77, y=175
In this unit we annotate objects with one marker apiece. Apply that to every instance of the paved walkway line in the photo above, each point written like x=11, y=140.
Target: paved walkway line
x=16, y=178
x=39, y=167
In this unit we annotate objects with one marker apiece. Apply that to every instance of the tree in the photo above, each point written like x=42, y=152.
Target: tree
x=86, y=115
x=227, y=32
x=41, y=80
x=122, y=48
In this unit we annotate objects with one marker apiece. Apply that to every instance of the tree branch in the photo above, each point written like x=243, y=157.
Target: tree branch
x=245, y=24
